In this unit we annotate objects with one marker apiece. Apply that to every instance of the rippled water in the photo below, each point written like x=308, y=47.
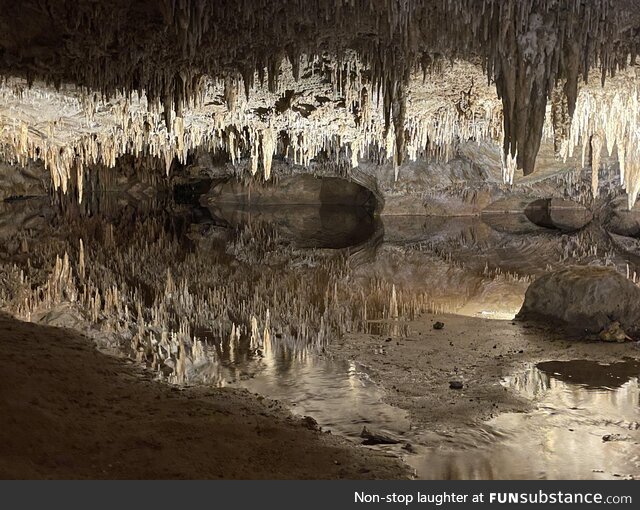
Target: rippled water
x=339, y=395
x=586, y=425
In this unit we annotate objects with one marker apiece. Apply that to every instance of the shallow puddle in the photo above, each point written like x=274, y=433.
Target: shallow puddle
x=339, y=395
x=585, y=426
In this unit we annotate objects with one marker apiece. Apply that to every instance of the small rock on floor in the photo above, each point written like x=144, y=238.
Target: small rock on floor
x=310, y=423
x=372, y=438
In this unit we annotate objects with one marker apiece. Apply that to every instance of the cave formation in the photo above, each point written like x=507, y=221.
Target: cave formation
x=220, y=190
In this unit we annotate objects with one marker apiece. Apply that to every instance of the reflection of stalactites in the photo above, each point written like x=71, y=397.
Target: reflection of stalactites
x=233, y=345
x=80, y=178
x=364, y=307
x=170, y=286
x=255, y=334
x=393, y=304
x=181, y=365
x=266, y=338
x=81, y=268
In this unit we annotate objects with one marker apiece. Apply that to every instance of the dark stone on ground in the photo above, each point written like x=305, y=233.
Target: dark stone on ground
x=371, y=438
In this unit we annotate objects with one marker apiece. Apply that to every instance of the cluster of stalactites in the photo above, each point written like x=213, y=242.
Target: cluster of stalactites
x=349, y=119
x=546, y=41
x=528, y=46
x=532, y=49
x=609, y=119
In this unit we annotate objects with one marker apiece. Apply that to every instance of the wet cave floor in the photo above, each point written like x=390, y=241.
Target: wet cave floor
x=403, y=326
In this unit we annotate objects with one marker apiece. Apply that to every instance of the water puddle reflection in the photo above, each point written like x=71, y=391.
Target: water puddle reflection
x=252, y=298
x=585, y=426
x=340, y=396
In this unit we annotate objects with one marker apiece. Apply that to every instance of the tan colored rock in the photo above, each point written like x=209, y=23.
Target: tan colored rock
x=587, y=299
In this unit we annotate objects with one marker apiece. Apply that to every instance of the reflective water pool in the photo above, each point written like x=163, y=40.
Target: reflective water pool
x=585, y=425
x=254, y=298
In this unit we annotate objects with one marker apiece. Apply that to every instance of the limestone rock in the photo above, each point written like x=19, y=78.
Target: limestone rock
x=622, y=221
x=565, y=215
x=292, y=190
x=614, y=333
x=584, y=298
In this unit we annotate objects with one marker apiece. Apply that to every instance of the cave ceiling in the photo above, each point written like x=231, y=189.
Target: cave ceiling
x=85, y=81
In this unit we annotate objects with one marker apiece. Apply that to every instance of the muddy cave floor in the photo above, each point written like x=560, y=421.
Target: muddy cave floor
x=69, y=411
x=419, y=367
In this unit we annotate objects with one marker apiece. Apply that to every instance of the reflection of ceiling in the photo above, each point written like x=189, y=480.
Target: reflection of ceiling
x=365, y=79
x=591, y=374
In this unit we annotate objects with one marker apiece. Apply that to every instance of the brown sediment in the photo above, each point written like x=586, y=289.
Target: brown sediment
x=417, y=369
x=69, y=411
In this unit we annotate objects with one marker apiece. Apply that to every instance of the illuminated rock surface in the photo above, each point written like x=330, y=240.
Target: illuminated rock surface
x=365, y=80
x=585, y=298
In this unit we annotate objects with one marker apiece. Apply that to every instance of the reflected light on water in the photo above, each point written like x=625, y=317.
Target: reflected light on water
x=579, y=430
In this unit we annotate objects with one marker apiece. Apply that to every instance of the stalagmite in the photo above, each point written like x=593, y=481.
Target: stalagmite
x=81, y=260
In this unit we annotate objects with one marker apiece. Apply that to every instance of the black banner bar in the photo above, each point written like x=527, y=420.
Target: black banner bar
x=321, y=495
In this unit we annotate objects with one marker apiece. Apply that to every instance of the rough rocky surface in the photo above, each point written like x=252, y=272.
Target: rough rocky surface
x=585, y=298
x=291, y=190
x=622, y=221
x=68, y=411
x=306, y=226
x=19, y=181
x=565, y=215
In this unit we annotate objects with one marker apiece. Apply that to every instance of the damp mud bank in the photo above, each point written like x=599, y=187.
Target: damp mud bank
x=418, y=367
x=484, y=400
x=69, y=411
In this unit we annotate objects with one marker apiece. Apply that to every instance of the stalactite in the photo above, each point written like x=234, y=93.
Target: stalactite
x=610, y=119
x=268, y=148
x=596, y=149
x=180, y=89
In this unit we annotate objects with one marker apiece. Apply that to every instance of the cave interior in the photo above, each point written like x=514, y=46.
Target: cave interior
x=279, y=218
